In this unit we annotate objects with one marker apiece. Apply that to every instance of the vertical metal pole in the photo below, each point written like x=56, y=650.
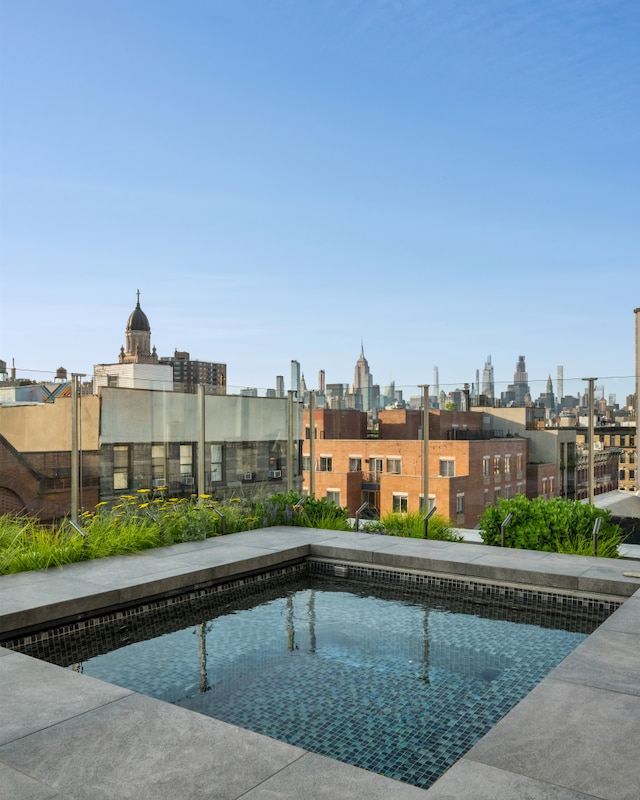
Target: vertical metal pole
x=312, y=443
x=201, y=478
x=425, y=446
x=590, y=451
x=636, y=311
x=290, y=441
x=74, y=448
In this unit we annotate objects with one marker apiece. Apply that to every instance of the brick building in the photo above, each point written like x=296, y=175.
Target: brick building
x=468, y=466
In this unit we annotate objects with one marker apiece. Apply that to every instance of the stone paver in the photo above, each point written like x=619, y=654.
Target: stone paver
x=67, y=735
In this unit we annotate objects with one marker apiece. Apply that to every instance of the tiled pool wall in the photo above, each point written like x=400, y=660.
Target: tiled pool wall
x=79, y=640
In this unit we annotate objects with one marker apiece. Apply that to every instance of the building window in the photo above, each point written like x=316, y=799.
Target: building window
x=496, y=465
x=158, y=465
x=544, y=486
x=306, y=463
x=333, y=496
x=447, y=467
x=485, y=466
x=551, y=485
x=519, y=463
x=216, y=462
x=496, y=495
x=507, y=465
x=623, y=440
x=507, y=492
x=112, y=380
x=120, y=467
x=632, y=474
x=375, y=465
x=612, y=440
x=307, y=432
x=355, y=464
x=632, y=457
x=186, y=462
x=632, y=441
x=432, y=502
x=459, y=504
x=400, y=502
x=325, y=464
x=394, y=466
x=622, y=458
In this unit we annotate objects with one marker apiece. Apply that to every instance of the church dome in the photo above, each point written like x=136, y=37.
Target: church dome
x=138, y=319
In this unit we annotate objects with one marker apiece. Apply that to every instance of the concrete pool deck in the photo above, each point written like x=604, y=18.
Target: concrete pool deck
x=65, y=735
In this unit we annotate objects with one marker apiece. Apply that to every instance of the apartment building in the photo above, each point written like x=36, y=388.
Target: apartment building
x=468, y=467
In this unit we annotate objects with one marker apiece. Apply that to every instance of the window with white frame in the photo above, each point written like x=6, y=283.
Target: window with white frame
x=507, y=465
x=486, y=466
x=333, y=496
x=375, y=465
x=496, y=465
x=216, y=463
x=120, y=467
x=460, y=504
x=432, y=502
x=507, y=492
x=158, y=465
x=186, y=462
x=325, y=464
x=355, y=463
x=447, y=467
x=519, y=462
x=400, y=502
x=496, y=495
x=306, y=463
x=394, y=466
x=486, y=497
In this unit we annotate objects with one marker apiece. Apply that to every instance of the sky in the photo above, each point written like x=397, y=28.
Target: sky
x=435, y=180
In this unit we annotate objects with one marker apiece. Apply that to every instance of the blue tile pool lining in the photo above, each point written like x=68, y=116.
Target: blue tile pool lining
x=75, y=641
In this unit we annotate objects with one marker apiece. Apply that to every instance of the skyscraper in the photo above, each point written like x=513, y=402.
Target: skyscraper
x=488, y=386
x=363, y=382
x=295, y=379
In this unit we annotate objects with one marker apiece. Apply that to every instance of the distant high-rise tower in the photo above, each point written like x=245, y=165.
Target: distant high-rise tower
x=321, y=381
x=280, y=386
x=436, y=381
x=560, y=384
x=488, y=386
x=363, y=382
x=521, y=382
x=295, y=379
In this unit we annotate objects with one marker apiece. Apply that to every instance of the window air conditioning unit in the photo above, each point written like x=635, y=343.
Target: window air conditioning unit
x=275, y=474
x=187, y=480
x=159, y=482
x=247, y=476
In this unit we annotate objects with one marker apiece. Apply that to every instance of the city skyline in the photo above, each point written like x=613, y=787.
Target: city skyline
x=286, y=181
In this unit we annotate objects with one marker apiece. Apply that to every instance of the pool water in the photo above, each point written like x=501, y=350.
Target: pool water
x=401, y=683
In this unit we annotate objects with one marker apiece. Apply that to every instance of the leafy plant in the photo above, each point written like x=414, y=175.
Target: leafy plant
x=411, y=524
x=557, y=525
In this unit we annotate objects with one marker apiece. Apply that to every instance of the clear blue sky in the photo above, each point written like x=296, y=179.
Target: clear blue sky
x=282, y=179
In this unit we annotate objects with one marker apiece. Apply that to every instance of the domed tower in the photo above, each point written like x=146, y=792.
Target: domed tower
x=138, y=339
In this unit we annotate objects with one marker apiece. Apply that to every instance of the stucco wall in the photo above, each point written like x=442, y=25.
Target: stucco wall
x=46, y=427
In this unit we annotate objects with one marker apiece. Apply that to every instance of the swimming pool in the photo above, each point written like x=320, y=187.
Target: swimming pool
x=399, y=680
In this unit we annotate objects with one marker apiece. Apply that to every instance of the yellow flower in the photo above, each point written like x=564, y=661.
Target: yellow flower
x=234, y=500
x=205, y=496
x=101, y=503
x=143, y=491
x=144, y=505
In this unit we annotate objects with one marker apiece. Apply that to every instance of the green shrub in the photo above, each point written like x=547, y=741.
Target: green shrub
x=557, y=525
x=411, y=524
